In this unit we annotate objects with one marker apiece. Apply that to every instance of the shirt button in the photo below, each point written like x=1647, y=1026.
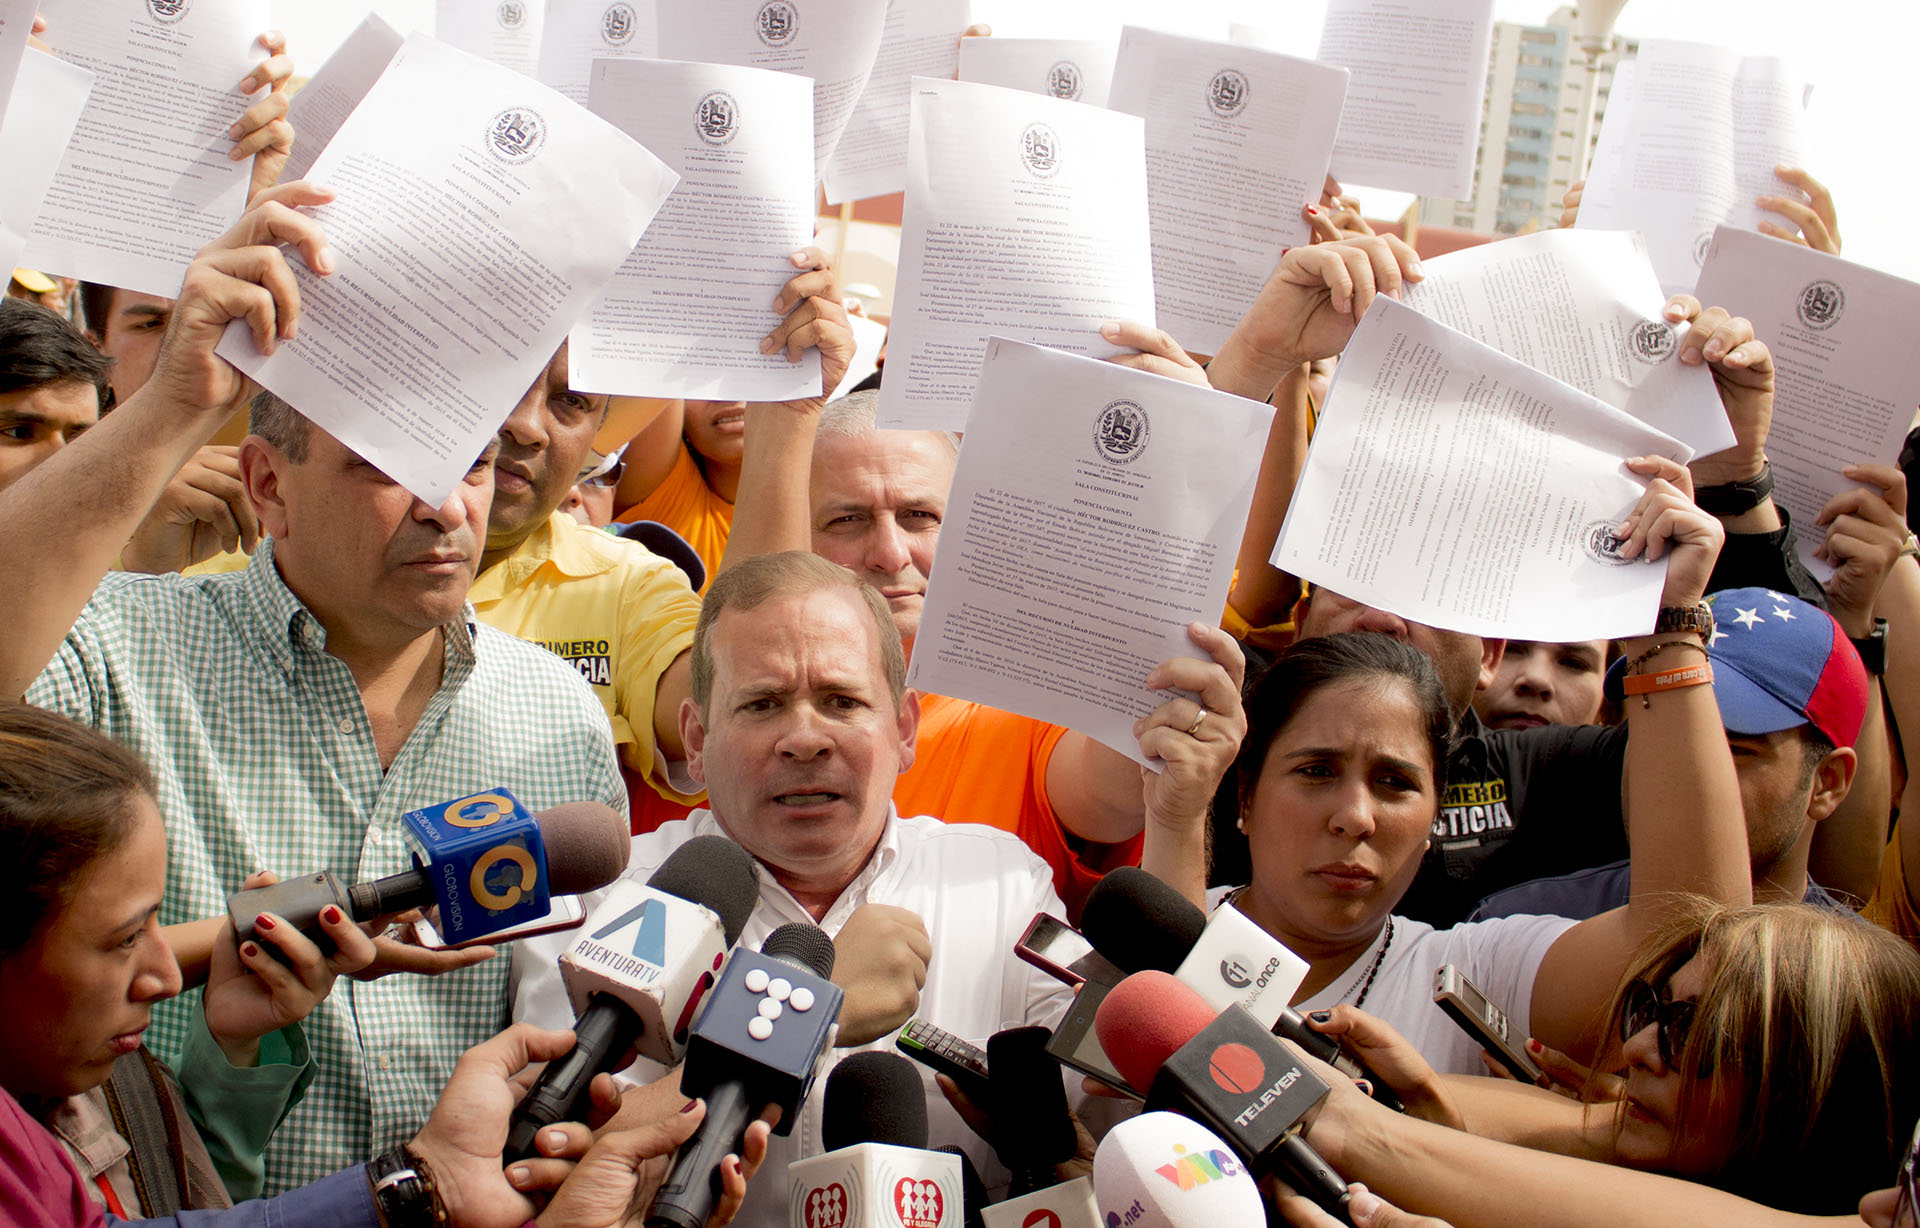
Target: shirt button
x=346, y=724
x=386, y=1063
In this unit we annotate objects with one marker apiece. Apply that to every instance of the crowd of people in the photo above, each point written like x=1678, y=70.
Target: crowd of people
x=239, y=650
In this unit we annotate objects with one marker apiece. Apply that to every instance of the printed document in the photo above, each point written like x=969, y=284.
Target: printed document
x=1237, y=142
x=1095, y=512
x=1585, y=307
x=16, y=22
x=1412, y=120
x=921, y=39
x=1454, y=486
x=506, y=32
x=331, y=94
x=49, y=97
x=831, y=42
x=685, y=314
x=578, y=32
x=1846, y=370
x=478, y=214
x=1027, y=218
x=1076, y=70
x=146, y=181
x=1689, y=147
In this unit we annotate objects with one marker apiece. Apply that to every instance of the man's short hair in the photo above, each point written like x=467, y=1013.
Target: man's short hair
x=281, y=425
x=856, y=415
x=790, y=573
x=38, y=348
x=96, y=304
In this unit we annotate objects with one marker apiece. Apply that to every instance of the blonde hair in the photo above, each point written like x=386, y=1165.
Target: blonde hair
x=1813, y=1016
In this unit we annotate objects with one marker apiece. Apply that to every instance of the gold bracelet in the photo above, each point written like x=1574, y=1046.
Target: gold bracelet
x=1634, y=665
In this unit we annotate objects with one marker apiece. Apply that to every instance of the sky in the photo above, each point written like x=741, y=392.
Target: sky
x=1858, y=54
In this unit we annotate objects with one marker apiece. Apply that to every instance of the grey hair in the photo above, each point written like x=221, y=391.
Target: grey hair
x=855, y=416
x=281, y=425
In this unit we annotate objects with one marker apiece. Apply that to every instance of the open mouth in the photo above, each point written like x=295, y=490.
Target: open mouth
x=822, y=798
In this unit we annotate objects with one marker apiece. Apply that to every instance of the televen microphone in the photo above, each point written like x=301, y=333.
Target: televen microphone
x=876, y=1172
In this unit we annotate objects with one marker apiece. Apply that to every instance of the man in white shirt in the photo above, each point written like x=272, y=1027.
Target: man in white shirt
x=799, y=723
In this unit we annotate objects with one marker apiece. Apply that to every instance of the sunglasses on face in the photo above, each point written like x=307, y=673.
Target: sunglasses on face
x=1650, y=1007
x=608, y=478
x=1906, y=1213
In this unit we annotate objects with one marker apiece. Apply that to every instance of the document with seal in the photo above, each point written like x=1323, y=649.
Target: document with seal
x=921, y=38
x=146, y=181
x=505, y=32
x=1689, y=147
x=331, y=94
x=1457, y=487
x=1026, y=218
x=1412, y=119
x=1095, y=512
x=1585, y=307
x=831, y=42
x=1237, y=142
x=478, y=214
x=1075, y=70
x=685, y=314
x=575, y=33
x=49, y=96
x=1846, y=370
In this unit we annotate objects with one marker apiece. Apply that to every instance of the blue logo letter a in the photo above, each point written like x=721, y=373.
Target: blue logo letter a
x=650, y=939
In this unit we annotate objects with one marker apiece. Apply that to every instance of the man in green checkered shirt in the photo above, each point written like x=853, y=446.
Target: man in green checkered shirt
x=294, y=711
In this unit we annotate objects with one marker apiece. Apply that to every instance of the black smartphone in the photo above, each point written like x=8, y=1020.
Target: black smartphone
x=1075, y=1044
x=960, y=1060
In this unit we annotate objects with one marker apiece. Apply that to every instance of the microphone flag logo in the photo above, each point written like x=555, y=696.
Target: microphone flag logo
x=918, y=1203
x=1237, y=1069
x=827, y=1206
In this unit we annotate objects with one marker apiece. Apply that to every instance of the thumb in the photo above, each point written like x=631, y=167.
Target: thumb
x=656, y=1138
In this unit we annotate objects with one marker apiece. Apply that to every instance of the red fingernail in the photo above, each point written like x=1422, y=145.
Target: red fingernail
x=249, y=950
x=263, y=922
x=1534, y=1046
x=330, y=914
x=688, y=1106
x=1313, y=211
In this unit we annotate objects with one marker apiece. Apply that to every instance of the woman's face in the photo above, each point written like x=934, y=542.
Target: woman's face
x=1340, y=815
x=1655, y=1094
x=77, y=997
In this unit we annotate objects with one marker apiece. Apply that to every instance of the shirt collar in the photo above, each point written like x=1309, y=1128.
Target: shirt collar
x=562, y=543
x=879, y=867
x=84, y=1123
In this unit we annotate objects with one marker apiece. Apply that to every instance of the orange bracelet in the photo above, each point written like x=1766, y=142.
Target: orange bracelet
x=1644, y=685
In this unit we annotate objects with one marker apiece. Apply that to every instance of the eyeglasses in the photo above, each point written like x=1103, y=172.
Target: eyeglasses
x=606, y=478
x=1649, y=1007
x=1906, y=1213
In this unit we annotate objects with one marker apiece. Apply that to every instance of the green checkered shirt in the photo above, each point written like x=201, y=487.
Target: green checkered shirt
x=265, y=762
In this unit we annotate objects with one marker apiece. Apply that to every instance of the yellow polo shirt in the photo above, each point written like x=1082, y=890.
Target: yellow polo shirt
x=610, y=608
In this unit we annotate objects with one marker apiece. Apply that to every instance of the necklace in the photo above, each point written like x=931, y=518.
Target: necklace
x=1373, y=969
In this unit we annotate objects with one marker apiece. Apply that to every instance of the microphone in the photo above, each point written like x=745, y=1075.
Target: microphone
x=973, y=1191
x=641, y=990
x=1226, y=1072
x=757, y=1044
x=490, y=865
x=1140, y=923
x=1162, y=1170
x=876, y=1172
x=1027, y=1104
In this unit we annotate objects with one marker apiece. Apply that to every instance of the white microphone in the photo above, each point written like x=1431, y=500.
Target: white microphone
x=876, y=1172
x=1162, y=1170
x=1237, y=962
x=1070, y=1204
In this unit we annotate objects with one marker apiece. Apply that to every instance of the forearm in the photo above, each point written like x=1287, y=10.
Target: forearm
x=1529, y=1116
x=1899, y=604
x=1176, y=853
x=1262, y=594
x=192, y=943
x=772, y=511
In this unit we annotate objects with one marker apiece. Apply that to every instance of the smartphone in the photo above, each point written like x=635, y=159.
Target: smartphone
x=566, y=913
x=1485, y=1022
x=1074, y=1043
x=1053, y=946
x=960, y=1060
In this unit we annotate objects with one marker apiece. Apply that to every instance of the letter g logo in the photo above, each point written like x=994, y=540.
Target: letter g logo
x=480, y=810
x=486, y=895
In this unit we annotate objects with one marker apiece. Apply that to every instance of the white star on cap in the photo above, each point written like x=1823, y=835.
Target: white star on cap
x=1784, y=615
x=1748, y=618
x=1718, y=635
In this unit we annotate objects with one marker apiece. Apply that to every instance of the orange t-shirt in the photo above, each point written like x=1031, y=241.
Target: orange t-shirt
x=687, y=505
x=1891, y=908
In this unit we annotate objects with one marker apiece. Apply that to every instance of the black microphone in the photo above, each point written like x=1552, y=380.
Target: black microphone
x=640, y=989
x=973, y=1191
x=876, y=1171
x=1140, y=923
x=1027, y=1104
x=756, y=1045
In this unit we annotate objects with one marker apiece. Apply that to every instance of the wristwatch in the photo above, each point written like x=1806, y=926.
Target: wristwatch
x=403, y=1190
x=1873, y=648
x=1733, y=498
x=1696, y=618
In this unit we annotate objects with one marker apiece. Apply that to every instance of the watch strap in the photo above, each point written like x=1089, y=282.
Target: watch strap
x=1873, y=648
x=1733, y=498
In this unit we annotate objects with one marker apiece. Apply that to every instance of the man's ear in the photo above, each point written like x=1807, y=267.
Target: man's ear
x=261, y=468
x=1832, y=781
x=907, y=723
x=1492, y=652
x=693, y=737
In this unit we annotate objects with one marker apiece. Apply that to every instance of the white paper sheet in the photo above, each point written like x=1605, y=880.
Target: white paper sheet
x=1847, y=372
x=831, y=42
x=1412, y=120
x=16, y=22
x=1075, y=70
x=869, y=338
x=1689, y=146
x=332, y=93
x=578, y=32
x=478, y=214
x=1458, y=488
x=921, y=39
x=1585, y=307
x=1026, y=217
x=146, y=181
x=1299, y=36
x=685, y=314
x=506, y=32
x=50, y=95
x=1237, y=141
x=1095, y=512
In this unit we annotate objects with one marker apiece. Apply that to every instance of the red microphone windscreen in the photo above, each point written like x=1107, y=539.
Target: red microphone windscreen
x=1144, y=1019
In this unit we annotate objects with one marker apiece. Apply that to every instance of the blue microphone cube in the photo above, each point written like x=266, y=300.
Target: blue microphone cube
x=766, y=1021
x=488, y=866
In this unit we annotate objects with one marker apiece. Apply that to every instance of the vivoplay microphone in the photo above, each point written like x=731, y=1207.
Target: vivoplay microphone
x=757, y=1044
x=1140, y=923
x=1226, y=1072
x=876, y=1172
x=638, y=972
x=489, y=866
x=1162, y=1170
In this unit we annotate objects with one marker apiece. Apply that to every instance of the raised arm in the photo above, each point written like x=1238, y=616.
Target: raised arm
x=69, y=517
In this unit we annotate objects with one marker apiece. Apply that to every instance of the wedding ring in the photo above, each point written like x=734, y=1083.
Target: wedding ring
x=1194, y=729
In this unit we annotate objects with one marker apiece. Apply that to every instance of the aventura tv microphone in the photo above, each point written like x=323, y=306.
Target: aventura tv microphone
x=876, y=1172
x=484, y=860
x=757, y=1044
x=639, y=970
x=1226, y=1072
x=1140, y=923
x=1162, y=1170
